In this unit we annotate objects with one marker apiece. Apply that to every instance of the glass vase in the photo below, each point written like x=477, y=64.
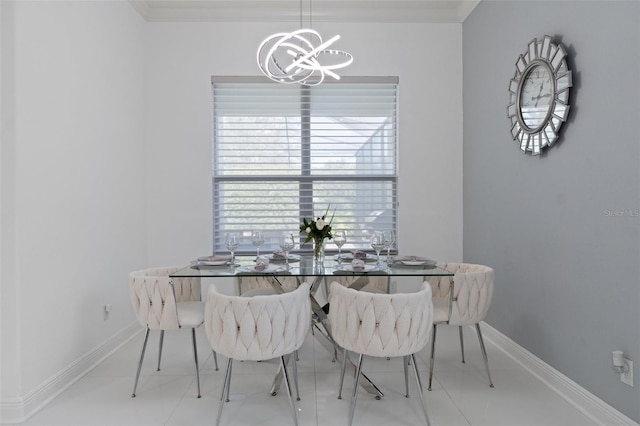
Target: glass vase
x=318, y=253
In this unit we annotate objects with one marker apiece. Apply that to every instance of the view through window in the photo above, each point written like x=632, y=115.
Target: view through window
x=285, y=152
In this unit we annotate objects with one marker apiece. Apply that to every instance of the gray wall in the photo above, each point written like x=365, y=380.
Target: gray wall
x=562, y=229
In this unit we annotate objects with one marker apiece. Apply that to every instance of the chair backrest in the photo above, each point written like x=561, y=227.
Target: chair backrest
x=155, y=302
x=251, y=283
x=259, y=327
x=472, y=291
x=374, y=283
x=380, y=325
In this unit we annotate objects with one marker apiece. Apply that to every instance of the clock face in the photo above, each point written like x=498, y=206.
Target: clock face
x=535, y=96
x=539, y=95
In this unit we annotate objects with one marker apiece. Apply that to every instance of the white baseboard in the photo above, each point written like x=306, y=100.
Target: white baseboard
x=590, y=405
x=17, y=410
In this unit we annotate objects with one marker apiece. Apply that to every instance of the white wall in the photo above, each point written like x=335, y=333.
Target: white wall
x=106, y=161
x=73, y=196
x=184, y=56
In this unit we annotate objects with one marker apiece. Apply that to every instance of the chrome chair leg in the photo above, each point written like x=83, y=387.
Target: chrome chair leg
x=195, y=357
x=230, y=367
x=295, y=375
x=432, y=359
x=461, y=343
x=225, y=389
x=144, y=347
x=345, y=356
x=287, y=383
x=354, y=398
x=424, y=407
x=215, y=359
x=484, y=354
x=405, y=364
x=160, y=348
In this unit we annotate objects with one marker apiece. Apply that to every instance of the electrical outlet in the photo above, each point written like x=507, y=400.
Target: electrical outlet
x=626, y=376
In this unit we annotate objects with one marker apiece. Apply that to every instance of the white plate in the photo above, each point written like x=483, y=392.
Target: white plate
x=268, y=270
x=213, y=262
x=292, y=258
x=367, y=268
x=418, y=262
x=349, y=257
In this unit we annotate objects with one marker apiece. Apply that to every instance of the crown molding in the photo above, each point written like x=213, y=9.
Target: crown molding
x=381, y=11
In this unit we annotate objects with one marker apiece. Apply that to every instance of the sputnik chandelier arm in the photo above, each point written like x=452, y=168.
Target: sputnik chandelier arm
x=294, y=58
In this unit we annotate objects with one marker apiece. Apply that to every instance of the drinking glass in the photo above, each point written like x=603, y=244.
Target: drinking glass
x=257, y=239
x=389, y=239
x=377, y=243
x=286, y=244
x=340, y=239
x=232, y=242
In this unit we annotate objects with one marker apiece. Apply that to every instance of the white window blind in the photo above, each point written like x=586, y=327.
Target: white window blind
x=284, y=152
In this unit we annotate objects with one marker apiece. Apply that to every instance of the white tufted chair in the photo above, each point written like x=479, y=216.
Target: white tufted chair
x=257, y=286
x=368, y=283
x=380, y=325
x=158, y=305
x=373, y=283
x=463, y=299
x=257, y=328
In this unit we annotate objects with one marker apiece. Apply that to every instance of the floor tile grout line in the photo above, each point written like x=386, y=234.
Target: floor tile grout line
x=451, y=399
x=180, y=400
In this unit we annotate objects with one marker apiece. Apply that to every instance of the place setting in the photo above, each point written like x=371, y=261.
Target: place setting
x=215, y=260
x=262, y=265
x=358, y=265
x=355, y=255
x=232, y=242
x=424, y=262
x=281, y=257
x=356, y=260
x=361, y=261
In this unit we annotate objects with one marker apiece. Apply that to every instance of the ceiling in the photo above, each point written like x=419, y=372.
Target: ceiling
x=383, y=11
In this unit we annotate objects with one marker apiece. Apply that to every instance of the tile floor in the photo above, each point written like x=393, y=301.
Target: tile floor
x=460, y=395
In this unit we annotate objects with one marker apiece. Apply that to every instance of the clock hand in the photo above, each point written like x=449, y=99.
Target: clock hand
x=546, y=95
x=537, y=98
x=539, y=93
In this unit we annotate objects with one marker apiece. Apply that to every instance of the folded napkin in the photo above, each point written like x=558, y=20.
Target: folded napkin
x=357, y=265
x=278, y=255
x=261, y=264
x=359, y=254
x=214, y=258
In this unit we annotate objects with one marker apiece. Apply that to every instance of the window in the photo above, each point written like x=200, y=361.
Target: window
x=284, y=152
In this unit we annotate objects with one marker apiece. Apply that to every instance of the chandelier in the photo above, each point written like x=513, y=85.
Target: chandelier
x=301, y=56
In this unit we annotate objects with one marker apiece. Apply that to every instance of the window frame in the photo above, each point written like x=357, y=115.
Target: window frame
x=305, y=179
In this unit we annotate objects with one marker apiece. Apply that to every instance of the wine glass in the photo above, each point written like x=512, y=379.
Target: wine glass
x=340, y=239
x=389, y=239
x=377, y=243
x=232, y=241
x=286, y=244
x=257, y=239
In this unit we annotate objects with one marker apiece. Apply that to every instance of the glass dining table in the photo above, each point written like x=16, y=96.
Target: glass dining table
x=304, y=268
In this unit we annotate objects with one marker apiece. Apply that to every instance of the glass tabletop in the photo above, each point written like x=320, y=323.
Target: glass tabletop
x=304, y=266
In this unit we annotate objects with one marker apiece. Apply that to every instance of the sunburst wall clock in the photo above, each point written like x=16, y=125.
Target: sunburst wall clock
x=539, y=95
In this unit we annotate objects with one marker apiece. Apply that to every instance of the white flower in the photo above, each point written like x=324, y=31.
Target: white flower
x=308, y=230
x=320, y=224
